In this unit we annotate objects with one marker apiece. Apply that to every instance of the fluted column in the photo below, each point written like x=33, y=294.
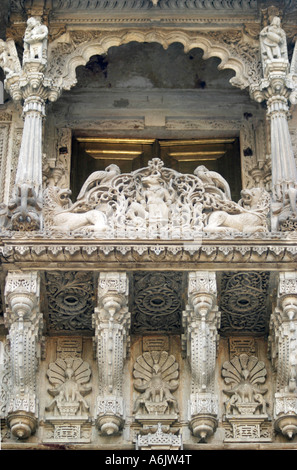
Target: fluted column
x=277, y=88
x=283, y=346
x=111, y=322
x=24, y=321
x=28, y=84
x=201, y=322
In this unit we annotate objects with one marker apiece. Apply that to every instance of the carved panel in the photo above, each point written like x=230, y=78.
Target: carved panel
x=157, y=302
x=246, y=405
x=70, y=300
x=67, y=408
x=156, y=376
x=243, y=302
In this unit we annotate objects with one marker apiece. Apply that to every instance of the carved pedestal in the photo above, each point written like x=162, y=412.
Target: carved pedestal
x=201, y=320
x=24, y=322
x=111, y=322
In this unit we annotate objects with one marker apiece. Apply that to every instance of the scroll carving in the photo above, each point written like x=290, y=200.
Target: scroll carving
x=156, y=202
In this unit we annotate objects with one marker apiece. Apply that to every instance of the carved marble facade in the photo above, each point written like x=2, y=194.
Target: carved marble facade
x=148, y=224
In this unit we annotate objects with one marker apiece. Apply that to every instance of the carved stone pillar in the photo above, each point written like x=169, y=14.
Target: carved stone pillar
x=283, y=346
x=277, y=88
x=29, y=83
x=201, y=322
x=24, y=322
x=111, y=322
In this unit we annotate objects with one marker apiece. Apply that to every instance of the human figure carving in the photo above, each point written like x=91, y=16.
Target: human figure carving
x=156, y=197
x=273, y=41
x=8, y=58
x=35, y=39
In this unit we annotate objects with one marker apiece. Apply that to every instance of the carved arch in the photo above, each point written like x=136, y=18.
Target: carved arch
x=236, y=52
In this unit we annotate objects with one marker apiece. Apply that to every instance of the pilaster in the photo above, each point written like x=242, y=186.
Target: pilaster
x=24, y=322
x=111, y=322
x=283, y=342
x=201, y=322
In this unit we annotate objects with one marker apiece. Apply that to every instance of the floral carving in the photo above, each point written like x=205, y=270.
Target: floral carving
x=70, y=300
x=155, y=202
x=156, y=377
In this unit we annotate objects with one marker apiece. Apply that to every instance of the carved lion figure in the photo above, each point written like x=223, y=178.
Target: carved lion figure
x=252, y=217
x=61, y=214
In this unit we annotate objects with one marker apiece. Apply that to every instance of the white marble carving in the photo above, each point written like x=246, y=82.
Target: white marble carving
x=35, y=40
x=156, y=202
x=24, y=322
x=278, y=88
x=201, y=321
x=111, y=322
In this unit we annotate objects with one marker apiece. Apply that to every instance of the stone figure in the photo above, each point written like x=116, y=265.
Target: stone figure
x=35, y=39
x=156, y=377
x=69, y=377
x=62, y=215
x=245, y=374
x=9, y=60
x=156, y=197
x=273, y=41
x=212, y=178
x=98, y=178
x=252, y=214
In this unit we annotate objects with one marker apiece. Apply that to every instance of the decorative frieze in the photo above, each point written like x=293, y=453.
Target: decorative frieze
x=156, y=203
x=201, y=322
x=24, y=321
x=111, y=321
x=157, y=439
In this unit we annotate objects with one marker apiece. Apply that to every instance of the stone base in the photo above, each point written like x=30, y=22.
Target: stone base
x=245, y=428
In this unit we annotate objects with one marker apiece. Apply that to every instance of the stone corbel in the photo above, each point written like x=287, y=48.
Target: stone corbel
x=24, y=322
x=201, y=321
x=111, y=322
x=283, y=346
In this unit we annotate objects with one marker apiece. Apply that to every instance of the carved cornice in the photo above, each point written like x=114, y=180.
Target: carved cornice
x=266, y=254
